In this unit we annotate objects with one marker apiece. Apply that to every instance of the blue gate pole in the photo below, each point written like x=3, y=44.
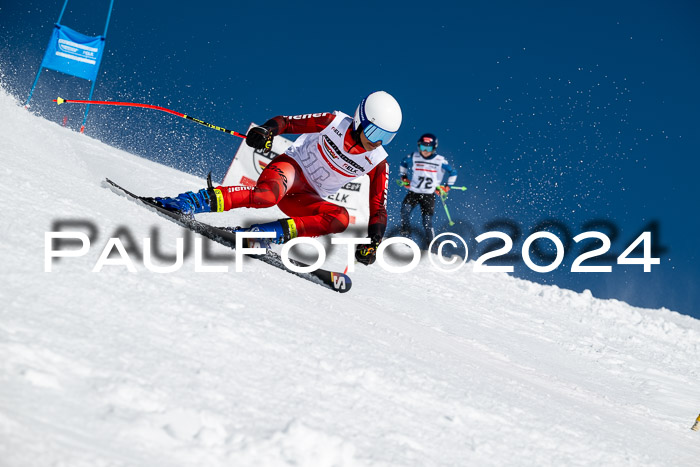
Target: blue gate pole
x=87, y=107
x=36, y=80
x=31, y=91
x=60, y=17
x=92, y=88
x=109, y=15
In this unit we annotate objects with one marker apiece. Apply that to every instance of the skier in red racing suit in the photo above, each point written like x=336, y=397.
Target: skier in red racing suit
x=333, y=149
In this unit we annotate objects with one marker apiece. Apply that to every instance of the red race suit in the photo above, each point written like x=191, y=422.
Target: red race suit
x=327, y=155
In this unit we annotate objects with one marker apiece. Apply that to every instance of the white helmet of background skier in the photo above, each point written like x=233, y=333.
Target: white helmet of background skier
x=379, y=116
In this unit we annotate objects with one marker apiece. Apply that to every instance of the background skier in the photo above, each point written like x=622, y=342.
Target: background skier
x=428, y=169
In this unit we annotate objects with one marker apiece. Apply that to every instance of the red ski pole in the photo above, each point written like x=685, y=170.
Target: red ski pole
x=60, y=101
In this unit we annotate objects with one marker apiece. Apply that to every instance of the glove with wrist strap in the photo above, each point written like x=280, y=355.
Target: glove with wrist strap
x=367, y=253
x=260, y=137
x=442, y=190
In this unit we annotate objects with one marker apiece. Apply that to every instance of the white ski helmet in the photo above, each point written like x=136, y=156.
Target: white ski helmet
x=379, y=116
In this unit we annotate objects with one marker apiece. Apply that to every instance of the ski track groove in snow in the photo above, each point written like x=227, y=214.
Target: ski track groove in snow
x=262, y=368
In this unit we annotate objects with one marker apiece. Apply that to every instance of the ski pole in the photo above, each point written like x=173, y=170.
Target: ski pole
x=402, y=183
x=60, y=101
x=446, y=211
x=443, y=195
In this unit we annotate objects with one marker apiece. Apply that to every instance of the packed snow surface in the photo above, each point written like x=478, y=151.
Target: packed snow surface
x=263, y=368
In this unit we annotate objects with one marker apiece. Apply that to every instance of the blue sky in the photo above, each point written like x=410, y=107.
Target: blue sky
x=573, y=112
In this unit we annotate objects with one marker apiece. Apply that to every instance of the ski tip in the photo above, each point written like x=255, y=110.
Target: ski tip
x=341, y=283
x=59, y=100
x=107, y=183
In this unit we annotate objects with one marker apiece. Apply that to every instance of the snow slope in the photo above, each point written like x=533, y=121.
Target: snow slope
x=262, y=368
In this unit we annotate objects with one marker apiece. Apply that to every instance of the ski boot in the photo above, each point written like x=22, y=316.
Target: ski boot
x=189, y=203
x=284, y=230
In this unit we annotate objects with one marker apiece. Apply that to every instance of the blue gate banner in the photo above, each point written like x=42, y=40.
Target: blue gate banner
x=73, y=53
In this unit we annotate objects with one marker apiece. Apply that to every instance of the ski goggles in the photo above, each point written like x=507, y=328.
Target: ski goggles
x=375, y=134
x=426, y=147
